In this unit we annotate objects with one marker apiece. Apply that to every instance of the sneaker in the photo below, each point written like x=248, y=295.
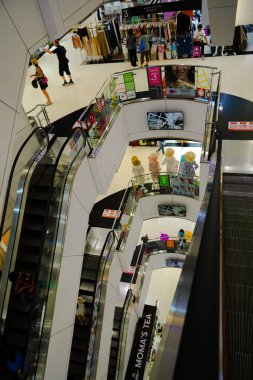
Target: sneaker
x=71, y=82
x=64, y=83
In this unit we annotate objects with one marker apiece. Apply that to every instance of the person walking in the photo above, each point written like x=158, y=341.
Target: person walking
x=41, y=80
x=144, y=42
x=131, y=47
x=60, y=51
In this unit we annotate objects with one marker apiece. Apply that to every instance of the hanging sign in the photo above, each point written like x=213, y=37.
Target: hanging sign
x=140, y=348
x=111, y=213
x=129, y=85
x=162, y=7
x=240, y=125
x=203, y=93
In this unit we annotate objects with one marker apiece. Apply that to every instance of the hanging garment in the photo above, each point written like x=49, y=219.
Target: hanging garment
x=82, y=32
x=95, y=46
x=87, y=46
x=111, y=35
x=103, y=43
x=184, y=43
x=76, y=40
x=183, y=23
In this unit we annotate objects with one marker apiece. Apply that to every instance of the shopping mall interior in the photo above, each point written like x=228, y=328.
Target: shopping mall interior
x=126, y=190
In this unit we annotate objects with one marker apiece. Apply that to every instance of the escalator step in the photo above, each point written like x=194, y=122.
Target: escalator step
x=40, y=195
x=112, y=362
x=80, y=345
x=44, y=181
x=31, y=242
x=16, y=338
x=89, y=274
x=81, y=331
x=78, y=357
x=76, y=369
x=90, y=262
x=37, y=227
x=87, y=286
x=29, y=258
x=20, y=322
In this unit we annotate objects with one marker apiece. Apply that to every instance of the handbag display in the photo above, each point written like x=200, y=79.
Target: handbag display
x=35, y=83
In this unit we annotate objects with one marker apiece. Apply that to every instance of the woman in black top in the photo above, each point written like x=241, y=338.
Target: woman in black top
x=60, y=51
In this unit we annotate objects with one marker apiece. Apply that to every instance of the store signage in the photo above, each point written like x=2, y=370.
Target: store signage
x=140, y=348
x=155, y=82
x=240, y=125
x=154, y=76
x=111, y=213
x=162, y=7
x=202, y=93
x=180, y=81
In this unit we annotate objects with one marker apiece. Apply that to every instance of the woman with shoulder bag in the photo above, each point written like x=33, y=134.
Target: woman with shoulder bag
x=41, y=79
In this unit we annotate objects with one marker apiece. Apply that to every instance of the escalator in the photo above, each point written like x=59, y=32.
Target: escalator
x=115, y=343
x=238, y=275
x=32, y=254
x=82, y=354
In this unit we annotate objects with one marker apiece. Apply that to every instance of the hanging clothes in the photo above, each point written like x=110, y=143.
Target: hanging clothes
x=76, y=40
x=103, y=43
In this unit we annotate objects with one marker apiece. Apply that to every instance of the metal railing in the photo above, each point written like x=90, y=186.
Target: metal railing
x=100, y=114
x=38, y=115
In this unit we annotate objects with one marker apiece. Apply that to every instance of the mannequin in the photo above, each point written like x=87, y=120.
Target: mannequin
x=154, y=167
x=189, y=165
x=216, y=50
x=138, y=171
x=170, y=161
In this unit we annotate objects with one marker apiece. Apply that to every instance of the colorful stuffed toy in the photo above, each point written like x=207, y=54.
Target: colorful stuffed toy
x=189, y=165
x=154, y=167
x=138, y=170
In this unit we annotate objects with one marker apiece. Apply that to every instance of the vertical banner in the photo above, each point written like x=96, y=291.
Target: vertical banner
x=143, y=334
x=155, y=82
x=129, y=85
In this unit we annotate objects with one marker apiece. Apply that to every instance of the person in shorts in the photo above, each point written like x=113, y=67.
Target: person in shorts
x=60, y=51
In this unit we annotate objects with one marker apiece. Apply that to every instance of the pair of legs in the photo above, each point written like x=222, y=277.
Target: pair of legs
x=202, y=46
x=146, y=55
x=64, y=67
x=44, y=90
x=132, y=57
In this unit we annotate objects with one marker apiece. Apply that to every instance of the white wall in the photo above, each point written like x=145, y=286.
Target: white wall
x=244, y=14
x=237, y=156
x=137, y=126
x=222, y=14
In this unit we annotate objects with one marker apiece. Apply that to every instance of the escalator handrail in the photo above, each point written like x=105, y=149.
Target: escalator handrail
x=129, y=297
x=12, y=173
x=100, y=269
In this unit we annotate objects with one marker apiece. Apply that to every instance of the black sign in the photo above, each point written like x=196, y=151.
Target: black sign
x=141, y=343
x=163, y=7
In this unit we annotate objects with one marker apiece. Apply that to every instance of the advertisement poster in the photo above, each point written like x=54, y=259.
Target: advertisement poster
x=140, y=348
x=240, y=126
x=203, y=93
x=174, y=263
x=171, y=210
x=165, y=120
x=180, y=81
x=129, y=85
x=155, y=82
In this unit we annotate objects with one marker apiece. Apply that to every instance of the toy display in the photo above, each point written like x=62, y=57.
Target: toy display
x=170, y=161
x=154, y=167
x=138, y=170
